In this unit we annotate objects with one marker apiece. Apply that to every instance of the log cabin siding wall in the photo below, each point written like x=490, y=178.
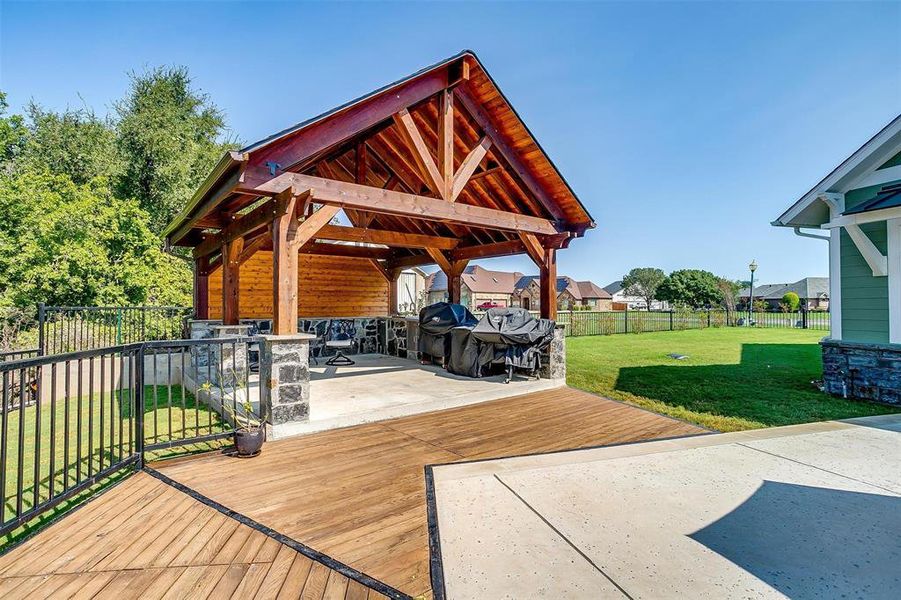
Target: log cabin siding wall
x=328, y=286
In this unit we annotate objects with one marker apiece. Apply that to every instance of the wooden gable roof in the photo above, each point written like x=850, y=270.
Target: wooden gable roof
x=392, y=143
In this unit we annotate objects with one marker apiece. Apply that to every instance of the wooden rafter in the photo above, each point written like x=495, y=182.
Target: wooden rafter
x=469, y=165
x=421, y=155
x=259, y=217
x=533, y=247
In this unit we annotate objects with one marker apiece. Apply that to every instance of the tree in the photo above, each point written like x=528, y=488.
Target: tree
x=13, y=135
x=75, y=143
x=169, y=140
x=643, y=282
x=69, y=244
x=728, y=295
x=792, y=301
x=693, y=288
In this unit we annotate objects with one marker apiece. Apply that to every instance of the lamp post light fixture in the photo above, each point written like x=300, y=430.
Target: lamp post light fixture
x=752, y=267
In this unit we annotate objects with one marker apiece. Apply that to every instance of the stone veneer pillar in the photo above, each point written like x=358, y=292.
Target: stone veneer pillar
x=553, y=362
x=285, y=381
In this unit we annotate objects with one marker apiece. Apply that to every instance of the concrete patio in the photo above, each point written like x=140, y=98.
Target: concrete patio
x=806, y=511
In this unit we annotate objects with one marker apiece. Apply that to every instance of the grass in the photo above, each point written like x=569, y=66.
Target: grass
x=163, y=421
x=733, y=378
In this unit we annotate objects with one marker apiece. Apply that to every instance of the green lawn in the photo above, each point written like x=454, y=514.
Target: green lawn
x=186, y=417
x=733, y=378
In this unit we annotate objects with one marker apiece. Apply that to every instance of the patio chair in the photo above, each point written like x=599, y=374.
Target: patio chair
x=340, y=335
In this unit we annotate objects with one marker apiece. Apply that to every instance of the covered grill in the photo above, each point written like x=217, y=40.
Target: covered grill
x=508, y=336
x=435, y=325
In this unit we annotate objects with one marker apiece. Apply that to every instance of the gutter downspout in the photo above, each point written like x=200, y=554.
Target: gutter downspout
x=810, y=235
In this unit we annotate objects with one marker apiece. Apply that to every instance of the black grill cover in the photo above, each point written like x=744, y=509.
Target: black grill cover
x=435, y=324
x=513, y=326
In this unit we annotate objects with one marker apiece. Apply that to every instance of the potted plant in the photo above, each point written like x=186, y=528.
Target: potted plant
x=250, y=436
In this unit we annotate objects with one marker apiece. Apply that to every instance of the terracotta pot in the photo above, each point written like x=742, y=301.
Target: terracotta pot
x=249, y=441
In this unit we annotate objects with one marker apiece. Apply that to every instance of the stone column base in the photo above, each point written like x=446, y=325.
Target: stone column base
x=553, y=362
x=862, y=371
x=284, y=381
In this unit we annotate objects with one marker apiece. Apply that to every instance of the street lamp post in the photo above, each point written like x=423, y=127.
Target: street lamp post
x=752, y=267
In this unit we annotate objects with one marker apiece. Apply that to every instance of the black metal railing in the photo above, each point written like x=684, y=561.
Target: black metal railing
x=65, y=423
x=18, y=354
x=799, y=319
x=74, y=328
x=69, y=421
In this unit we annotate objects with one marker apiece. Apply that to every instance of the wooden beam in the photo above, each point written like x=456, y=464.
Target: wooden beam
x=360, y=164
x=533, y=248
x=547, y=283
x=446, y=141
x=259, y=217
x=351, y=195
x=470, y=163
x=403, y=262
x=347, y=250
x=254, y=245
x=488, y=250
x=201, y=288
x=393, y=278
x=388, y=238
x=508, y=154
x=310, y=226
x=440, y=259
x=421, y=155
x=231, y=280
x=284, y=268
x=381, y=269
x=455, y=280
x=214, y=197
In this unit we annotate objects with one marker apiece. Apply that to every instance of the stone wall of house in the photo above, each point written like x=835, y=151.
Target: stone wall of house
x=862, y=371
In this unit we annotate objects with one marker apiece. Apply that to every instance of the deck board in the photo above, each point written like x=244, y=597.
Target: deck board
x=358, y=494
x=146, y=539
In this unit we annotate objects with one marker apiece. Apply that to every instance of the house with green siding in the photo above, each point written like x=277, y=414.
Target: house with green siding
x=856, y=212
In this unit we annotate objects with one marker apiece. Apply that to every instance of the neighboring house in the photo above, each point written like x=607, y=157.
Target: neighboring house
x=480, y=285
x=858, y=207
x=812, y=291
x=621, y=298
x=570, y=293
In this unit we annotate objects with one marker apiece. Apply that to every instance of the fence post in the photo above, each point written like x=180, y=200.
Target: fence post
x=804, y=323
x=42, y=320
x=708, y=318
x=626, y=320
x=143, y=319
x=118, y=326
x=671, y=324
x=139, y=405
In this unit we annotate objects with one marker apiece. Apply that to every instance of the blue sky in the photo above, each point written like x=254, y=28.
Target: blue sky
x=685, y=128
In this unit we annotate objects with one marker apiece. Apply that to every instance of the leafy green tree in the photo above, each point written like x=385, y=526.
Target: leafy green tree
x=728, y=296
x=70, y=244
x=643, y=282
x=13, y=135
x=792, y=301
x=75, y=143
x=169, y=140
x=690, y=287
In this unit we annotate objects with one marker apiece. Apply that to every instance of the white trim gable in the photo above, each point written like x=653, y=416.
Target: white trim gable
x=859, y=167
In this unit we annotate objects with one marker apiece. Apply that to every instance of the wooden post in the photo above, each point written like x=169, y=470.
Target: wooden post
x=455, y=280
x=231, y=280
x=284, y=271
x=201, y=288
x=393, y=279
x=547, y=283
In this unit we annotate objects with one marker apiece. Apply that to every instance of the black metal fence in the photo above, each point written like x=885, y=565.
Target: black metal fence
x=69, y=421
x=800, y=319
x=580, y=323
x=75, y=328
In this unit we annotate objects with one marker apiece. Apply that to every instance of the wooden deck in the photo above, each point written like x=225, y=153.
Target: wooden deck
x=145, y=539
x=358, y=494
